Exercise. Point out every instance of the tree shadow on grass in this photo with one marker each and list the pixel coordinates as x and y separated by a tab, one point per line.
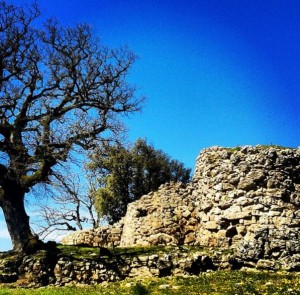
139	289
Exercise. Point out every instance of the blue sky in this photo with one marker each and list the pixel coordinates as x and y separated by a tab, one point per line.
215	72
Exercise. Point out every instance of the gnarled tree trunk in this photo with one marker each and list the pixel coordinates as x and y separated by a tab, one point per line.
12	203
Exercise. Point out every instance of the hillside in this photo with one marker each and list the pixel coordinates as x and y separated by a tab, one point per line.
240	211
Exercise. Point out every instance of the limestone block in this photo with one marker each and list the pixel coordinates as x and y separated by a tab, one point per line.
140	272
273	183
279	221
190	238
228	187
247	184
193	222
244	201
225	204
256	207
162	239
232	209
215	211
203	217
185	212
265	219
233	179
219	187
272	213
235	213
244	167
265	264
256	175
211	225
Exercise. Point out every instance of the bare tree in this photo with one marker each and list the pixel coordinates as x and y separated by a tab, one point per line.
72	207
60	90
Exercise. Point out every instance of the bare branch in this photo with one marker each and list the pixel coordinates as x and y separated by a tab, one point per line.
73	207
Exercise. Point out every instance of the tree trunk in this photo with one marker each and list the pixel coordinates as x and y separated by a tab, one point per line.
17	220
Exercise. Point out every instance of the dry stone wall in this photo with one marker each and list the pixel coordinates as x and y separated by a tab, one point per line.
246	199
59	269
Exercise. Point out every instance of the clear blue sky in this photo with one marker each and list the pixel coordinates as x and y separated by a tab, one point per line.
216	72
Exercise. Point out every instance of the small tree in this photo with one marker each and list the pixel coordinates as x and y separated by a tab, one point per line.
124	175
59	89
71	208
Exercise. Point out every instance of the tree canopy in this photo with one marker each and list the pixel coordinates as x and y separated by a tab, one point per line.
126	174
60	89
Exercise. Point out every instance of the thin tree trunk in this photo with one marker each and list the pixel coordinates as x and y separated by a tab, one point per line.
17	220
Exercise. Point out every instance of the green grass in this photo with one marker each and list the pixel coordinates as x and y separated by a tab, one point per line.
219	282
81	252
233	149
279	147
78	251
261	146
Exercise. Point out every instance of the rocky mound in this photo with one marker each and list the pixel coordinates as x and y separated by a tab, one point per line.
245	199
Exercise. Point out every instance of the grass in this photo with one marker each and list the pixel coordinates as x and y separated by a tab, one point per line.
81	252
78	251
279	147
261	146
219	282
128	253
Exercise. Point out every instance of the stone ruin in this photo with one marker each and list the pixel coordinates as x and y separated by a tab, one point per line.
244	199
